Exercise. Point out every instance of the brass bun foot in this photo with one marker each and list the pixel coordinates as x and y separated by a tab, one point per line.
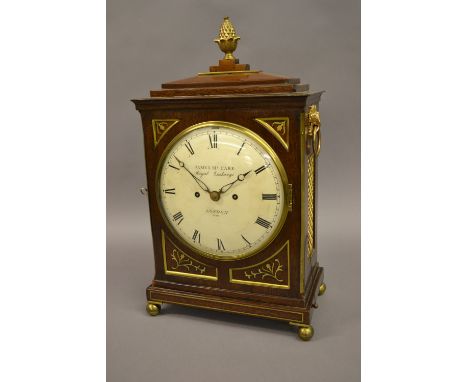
152	308
322	289
305	333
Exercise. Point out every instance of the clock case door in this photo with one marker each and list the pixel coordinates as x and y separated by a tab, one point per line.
281	281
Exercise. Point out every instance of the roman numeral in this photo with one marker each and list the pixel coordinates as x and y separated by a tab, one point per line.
178	216
248	242
269	196
220	245
260	169
170	191
189	148
241	148
174	167
196	235
264	223
214	141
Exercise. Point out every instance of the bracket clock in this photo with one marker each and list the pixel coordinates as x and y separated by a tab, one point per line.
231	164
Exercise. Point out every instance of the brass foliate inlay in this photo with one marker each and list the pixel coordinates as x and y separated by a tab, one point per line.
182	262
178	263
272	272
227	39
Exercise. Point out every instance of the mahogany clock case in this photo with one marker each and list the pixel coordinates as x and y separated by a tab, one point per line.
300	290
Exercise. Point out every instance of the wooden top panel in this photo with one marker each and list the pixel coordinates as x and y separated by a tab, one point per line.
234	83
232	79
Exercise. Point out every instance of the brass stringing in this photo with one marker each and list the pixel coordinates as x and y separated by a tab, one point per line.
268	270
182	261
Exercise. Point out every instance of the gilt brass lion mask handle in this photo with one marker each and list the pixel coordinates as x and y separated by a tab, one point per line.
313	130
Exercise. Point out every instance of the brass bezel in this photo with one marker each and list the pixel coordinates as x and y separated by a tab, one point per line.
264	145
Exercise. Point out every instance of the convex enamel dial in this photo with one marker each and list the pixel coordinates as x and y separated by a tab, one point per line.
222	190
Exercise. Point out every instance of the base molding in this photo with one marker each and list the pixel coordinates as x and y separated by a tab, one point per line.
292	314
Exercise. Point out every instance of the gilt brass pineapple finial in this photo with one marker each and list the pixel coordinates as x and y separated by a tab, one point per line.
227	39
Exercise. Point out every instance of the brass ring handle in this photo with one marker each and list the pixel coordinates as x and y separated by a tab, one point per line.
317	137
313	130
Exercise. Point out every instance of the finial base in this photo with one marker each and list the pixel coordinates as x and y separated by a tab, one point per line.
227	65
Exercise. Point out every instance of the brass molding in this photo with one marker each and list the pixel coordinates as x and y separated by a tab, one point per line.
279	127
161	127
290	197
184	265
270	269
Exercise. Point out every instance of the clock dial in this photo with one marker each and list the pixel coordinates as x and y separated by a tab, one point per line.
221	191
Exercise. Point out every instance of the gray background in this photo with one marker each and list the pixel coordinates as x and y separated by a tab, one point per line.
150	42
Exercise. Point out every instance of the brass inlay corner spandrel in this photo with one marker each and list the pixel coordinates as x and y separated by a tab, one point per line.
161	127
279	127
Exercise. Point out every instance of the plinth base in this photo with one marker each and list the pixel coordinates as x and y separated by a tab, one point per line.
299	316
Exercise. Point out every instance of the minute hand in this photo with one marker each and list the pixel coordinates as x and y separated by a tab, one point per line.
240	178
200	182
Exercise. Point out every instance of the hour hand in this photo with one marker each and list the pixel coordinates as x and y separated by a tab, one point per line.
181	164
200	182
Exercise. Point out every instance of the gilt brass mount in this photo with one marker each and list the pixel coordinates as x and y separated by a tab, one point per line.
313	130
227	39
